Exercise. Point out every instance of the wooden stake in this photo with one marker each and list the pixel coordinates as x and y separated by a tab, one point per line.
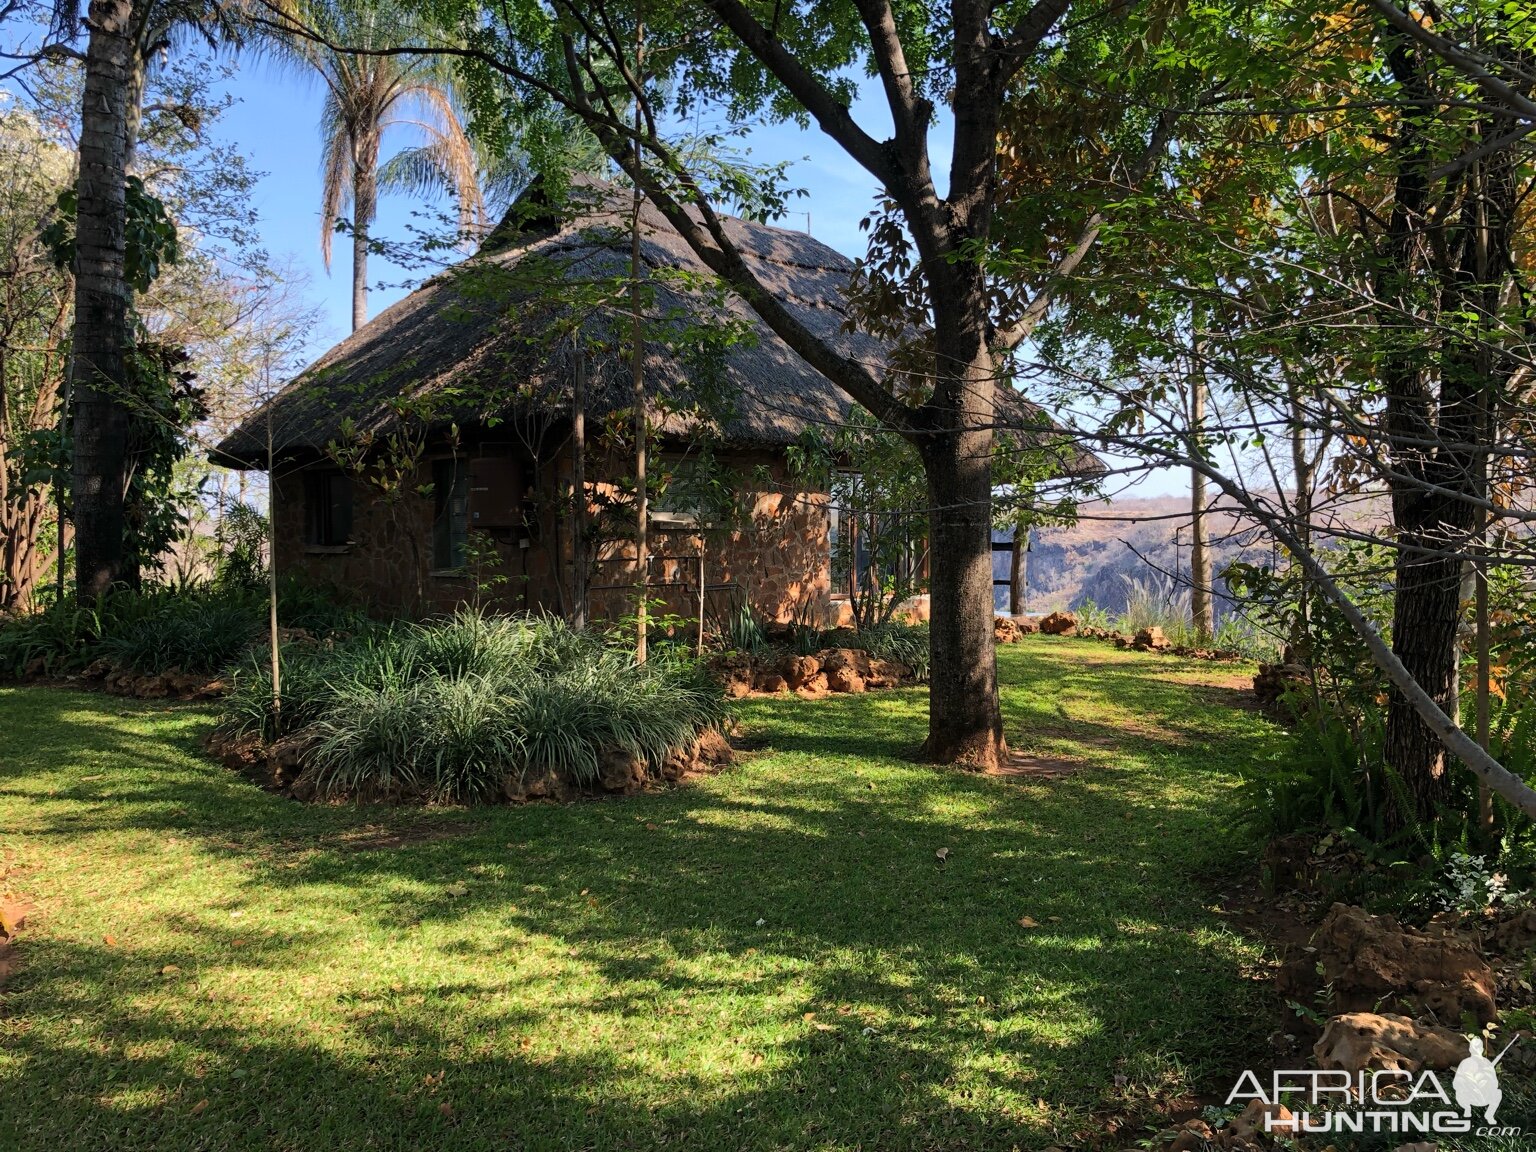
277	671
579	484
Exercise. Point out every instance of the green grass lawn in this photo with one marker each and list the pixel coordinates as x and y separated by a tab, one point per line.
770	958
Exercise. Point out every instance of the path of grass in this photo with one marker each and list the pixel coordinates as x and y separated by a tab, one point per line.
772	958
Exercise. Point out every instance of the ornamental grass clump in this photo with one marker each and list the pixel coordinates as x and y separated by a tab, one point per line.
449	710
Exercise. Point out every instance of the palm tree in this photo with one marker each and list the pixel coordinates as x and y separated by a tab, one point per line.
365	97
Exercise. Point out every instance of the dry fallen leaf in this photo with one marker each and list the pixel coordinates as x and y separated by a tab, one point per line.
199	1106
1028	922
810	1016
445	1108
13	917
942	855
109	941
169	970
458	889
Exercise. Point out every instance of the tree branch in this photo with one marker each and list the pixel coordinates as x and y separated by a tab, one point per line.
1034	312
833	116
1454	54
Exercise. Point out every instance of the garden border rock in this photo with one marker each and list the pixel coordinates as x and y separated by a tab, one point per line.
281	767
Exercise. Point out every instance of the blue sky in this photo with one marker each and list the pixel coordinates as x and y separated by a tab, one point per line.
276	122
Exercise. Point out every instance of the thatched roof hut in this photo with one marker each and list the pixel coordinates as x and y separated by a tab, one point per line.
491	338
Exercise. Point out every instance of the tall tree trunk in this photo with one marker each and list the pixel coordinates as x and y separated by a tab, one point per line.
1425	621
1016	570
365	205
1435	405
965	724
102	296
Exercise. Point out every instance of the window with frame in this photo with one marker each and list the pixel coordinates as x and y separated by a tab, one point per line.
327	509
450	522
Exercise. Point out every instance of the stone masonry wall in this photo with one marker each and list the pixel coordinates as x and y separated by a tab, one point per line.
777	559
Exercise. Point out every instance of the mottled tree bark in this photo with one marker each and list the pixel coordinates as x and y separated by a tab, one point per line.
102	296
365	205
1435	400
965	723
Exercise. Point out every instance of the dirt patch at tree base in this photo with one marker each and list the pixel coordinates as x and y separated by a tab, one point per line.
1034	767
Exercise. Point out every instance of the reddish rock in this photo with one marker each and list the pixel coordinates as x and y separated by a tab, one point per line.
620	771
797	670
1059	624
1516	935
1365	1041
855	660
845	679
211	689
1005	630
814	688
712	747
1367	960
1151	640
540	785
887	674
1258	1124
772	683
1194	1136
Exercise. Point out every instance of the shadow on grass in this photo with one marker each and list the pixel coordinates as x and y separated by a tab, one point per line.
629	974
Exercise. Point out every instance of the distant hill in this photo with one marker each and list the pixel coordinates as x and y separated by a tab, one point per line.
1140	538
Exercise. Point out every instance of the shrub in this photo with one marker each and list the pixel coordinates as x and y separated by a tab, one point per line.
205	628
744	632
196	633
448	709
892	640
61	636
1236	633
907	643
1156	603
1090	615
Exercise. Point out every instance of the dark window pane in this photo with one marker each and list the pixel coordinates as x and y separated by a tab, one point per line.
450	525
327	508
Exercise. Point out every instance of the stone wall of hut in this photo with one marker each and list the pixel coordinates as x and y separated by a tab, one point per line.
773	555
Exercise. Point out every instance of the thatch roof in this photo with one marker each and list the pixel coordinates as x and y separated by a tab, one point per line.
489	339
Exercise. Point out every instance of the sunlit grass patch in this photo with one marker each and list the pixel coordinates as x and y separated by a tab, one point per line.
771	958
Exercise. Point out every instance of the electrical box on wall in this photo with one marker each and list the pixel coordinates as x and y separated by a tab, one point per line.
495	493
